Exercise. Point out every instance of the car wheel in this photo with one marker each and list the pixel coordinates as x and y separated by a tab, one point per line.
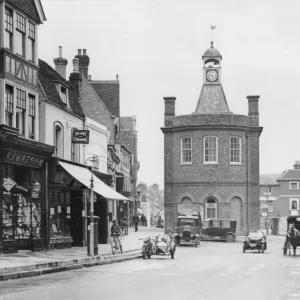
244	248
230	238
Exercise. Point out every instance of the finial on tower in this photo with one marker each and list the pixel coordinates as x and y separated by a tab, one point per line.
212	27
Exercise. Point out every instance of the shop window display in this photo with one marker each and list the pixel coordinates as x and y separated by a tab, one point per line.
60	213
21	207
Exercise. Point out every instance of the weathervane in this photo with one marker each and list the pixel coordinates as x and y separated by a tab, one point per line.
212	27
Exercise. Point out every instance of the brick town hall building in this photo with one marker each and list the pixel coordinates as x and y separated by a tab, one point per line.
211	157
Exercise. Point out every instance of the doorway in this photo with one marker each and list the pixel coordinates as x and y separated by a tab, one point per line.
101	211
76	218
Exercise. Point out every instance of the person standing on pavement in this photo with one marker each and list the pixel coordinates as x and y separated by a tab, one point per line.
135	221
151	221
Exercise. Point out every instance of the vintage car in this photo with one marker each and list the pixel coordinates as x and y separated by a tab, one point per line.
188	230
255	241
219	230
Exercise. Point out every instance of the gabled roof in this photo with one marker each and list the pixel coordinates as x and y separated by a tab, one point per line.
109	93
269	179
47	78
212	100
293	174
32	8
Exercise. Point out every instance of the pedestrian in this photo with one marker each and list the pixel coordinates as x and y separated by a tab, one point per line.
143	220
151	221
135	220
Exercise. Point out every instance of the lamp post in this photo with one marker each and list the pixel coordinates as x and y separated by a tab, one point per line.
93	159
267	194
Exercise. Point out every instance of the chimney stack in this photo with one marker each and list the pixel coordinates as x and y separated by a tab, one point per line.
253	106
90	77
75	65
84	62
297	165
61	64
170	106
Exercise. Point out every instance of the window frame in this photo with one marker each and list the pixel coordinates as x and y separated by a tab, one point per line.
215	204
291	200
290	185
239	150
20	109
217	150
58	151
185	150
21	28
31	115
9	111
9	26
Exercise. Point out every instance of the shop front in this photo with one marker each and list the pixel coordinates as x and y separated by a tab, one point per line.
23	192
69	198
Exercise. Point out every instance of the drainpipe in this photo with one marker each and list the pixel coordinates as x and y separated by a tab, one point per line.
247	182
47	235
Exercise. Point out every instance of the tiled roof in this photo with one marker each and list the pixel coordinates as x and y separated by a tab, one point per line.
126	123
109	93
212	100
47	76
26	6
290	175
269	179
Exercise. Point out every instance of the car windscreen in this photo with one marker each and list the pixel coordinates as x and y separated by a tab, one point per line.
183	222
255	235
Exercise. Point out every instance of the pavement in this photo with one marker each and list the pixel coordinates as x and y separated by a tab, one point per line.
212	271
27	263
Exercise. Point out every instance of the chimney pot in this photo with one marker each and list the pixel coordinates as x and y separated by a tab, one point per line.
75	65
84	51
60	51
79	51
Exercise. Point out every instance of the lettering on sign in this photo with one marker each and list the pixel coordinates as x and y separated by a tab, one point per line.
80	136
24	159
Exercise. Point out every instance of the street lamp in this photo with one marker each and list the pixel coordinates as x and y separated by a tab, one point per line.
267	194
92	159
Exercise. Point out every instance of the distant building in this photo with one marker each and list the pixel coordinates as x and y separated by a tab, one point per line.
289	199
211	157
269	194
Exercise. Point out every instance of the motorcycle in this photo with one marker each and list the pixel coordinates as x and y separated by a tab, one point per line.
147	248
159	246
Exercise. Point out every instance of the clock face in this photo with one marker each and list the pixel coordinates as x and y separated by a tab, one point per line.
212	75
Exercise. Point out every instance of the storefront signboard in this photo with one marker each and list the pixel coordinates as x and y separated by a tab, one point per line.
8	184
24	159
80	136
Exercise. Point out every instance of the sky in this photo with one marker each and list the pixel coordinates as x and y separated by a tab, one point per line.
156	48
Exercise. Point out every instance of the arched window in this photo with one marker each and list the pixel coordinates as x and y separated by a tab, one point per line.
186	200
210	149
58	140
235	150
211	209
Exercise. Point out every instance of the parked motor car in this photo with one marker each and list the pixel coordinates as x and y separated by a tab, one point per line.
219	230
255	241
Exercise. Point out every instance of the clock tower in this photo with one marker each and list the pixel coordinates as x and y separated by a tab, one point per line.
212	98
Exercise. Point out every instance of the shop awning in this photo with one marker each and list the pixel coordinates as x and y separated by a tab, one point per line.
83	175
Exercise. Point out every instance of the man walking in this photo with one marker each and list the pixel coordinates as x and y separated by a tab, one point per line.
135	220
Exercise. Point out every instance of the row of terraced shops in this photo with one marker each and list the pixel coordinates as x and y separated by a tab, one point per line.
44	205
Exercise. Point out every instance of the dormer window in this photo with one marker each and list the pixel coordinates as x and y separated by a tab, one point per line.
63	94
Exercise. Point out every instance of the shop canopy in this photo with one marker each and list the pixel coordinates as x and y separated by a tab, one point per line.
83	175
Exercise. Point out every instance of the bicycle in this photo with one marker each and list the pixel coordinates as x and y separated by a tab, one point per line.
116	245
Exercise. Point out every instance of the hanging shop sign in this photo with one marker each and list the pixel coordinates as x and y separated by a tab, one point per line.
8	184
24	159
80	136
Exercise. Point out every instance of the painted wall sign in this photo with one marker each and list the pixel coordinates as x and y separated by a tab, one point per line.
24	159
80	136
